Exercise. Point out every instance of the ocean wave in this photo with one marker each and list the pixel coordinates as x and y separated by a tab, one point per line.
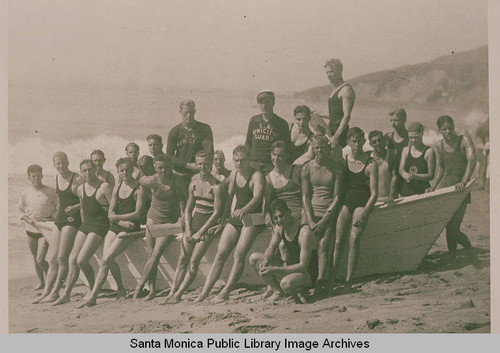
26	151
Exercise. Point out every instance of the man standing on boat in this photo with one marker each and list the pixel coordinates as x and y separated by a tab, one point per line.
387	166
456	161
184	140
397	140
263	130
340	104
322	182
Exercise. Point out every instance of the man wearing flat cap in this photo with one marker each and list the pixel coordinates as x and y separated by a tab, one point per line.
263	130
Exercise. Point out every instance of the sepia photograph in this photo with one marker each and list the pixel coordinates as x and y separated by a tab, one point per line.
248	167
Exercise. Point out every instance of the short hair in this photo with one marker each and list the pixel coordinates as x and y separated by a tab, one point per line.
155	137
124	160
60	155
444	119
302	109
319	139
187	103
132	144
353	131
162	158
85	161
375	133
94	152
241	149
202	154
34	168
221	155
334	64
147	159
279	144
400	113
279	205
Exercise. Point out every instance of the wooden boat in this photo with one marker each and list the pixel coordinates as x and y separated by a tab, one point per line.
397	238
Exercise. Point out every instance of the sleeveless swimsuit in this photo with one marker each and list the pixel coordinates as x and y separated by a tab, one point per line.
358	188
95	217
417	166
398	147
322	197
290	193
297	151
292	255
243	196
164	203
204	207
336	113
455	165
67	198
124	206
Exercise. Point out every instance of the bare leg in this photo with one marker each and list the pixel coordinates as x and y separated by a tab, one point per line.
256	260
68	234
227	242
244	244
324	255
354	245
89	248
453	233
151	267
182	264
343	226
53	265
199	250
33	246
74	270
295	283
116	247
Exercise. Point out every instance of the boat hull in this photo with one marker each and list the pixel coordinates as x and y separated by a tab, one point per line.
398	236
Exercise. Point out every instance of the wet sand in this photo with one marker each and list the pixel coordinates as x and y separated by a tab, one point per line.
435	298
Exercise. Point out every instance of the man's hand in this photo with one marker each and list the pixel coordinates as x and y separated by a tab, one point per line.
320	227
126	224
407	176
192	167
361	221
460	187
237	214
268	270
268	220
334	141
431	189
215	229
70	209
28	220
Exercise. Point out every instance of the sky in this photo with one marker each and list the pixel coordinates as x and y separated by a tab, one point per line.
237	45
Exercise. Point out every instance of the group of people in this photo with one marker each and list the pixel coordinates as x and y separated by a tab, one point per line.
295	180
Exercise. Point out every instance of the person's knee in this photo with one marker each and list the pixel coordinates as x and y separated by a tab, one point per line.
254	258
82	261
287	285
40	260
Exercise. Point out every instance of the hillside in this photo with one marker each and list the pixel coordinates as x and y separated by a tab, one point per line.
458	80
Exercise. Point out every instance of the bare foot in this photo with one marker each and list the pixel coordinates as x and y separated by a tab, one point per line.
267	293
40	285
151	295
137	292
275	296
89	302
121	293
200	298
303	298
50	298
220	298
175	299
62	300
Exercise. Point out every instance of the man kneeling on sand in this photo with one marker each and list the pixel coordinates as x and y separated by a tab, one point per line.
296	271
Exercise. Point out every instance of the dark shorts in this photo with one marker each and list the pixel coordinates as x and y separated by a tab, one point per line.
74	222
198	220
100	229
239	226
354	200
34	235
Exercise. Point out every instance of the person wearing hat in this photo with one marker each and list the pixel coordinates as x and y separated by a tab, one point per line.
263	130
398	139
417	164
340	104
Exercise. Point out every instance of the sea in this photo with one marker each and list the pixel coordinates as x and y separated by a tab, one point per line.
78	120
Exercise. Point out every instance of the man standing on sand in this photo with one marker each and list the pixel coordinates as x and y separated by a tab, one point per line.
95	197
322	182
37	204
397	140
340	104
263	130
387	166
184	140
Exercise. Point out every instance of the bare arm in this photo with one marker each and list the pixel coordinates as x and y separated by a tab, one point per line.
307	245
229	199
258	182
439	168
371	172
273	245
394	176
307	193
402	164
212	220
112	205
188	213
136	215
470	154
348	97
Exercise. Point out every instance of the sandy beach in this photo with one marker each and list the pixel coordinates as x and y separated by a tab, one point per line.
435	298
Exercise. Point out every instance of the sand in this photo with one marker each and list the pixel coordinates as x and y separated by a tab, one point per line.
435	298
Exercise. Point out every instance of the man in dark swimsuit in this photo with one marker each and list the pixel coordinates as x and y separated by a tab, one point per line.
295	271
124	215
97	157
263	130
300	132
95	196
397	140
132	151
456	160
184	140
322	182
360	196
340	104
